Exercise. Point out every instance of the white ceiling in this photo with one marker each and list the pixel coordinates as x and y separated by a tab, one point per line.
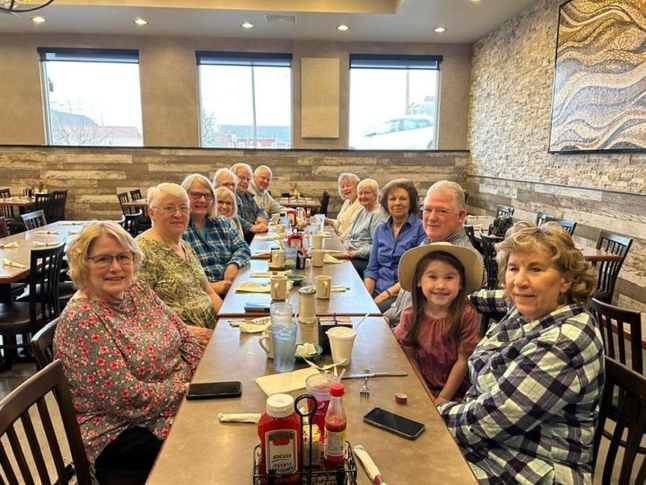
409	21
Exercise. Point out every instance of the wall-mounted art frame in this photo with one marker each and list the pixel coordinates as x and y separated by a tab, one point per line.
599	92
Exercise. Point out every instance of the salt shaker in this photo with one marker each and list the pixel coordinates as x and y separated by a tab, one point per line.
307	304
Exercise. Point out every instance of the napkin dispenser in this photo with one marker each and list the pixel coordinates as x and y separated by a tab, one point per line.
325	324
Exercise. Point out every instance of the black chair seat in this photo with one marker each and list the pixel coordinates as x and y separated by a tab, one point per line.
14	318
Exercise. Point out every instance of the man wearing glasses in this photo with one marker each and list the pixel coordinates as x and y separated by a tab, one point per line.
259	187
252	217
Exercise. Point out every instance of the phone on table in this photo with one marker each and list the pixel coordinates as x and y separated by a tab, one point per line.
214	390
255	307
395	423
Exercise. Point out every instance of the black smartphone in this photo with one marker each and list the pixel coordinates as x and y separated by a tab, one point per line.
395	423
255	307
214	390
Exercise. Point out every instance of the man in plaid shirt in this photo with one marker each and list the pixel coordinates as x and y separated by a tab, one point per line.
253	218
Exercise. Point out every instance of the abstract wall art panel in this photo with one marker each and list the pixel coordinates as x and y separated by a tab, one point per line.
599	99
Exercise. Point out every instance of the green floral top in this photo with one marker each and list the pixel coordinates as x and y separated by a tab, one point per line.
180	283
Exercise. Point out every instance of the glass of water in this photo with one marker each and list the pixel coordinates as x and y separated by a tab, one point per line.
283	335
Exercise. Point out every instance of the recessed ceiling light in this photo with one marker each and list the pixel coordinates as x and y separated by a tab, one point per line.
342	27
439	30
38	20
246	25
475	1
141	22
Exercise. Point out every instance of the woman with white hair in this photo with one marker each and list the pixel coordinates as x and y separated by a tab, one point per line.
348	191
228	207
214	238
358	241
171	267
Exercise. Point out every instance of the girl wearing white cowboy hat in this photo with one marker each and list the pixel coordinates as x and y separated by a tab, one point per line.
440	329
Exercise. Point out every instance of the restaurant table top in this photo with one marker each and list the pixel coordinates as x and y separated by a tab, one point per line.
17	201
135	204
260	247
200	449
304	202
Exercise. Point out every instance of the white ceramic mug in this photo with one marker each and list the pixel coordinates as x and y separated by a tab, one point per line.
266	343
277	258
323	287
317	241
275	218
318	258
278	285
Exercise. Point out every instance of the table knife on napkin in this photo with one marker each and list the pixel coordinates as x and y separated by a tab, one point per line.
377	374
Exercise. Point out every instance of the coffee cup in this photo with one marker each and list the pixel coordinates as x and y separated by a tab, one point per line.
277	258
317	241
275	218
266	343
323	287
318	258
278	288
283	334
341	343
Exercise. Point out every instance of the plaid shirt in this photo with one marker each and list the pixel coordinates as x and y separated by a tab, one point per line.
248	210
530	414
221	246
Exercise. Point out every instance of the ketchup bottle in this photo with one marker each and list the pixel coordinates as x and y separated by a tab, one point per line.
335	428
279	430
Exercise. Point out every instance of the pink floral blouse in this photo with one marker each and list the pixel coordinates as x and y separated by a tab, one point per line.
128	364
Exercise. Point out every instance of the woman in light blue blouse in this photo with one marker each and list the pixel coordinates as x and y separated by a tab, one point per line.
537	375
392	238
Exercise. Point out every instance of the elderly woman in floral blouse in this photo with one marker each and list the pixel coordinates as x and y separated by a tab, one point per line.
127	356
171	267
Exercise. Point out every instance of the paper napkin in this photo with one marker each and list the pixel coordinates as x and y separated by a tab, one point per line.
45	232
40	244
10	245
338	288
253	287
13	264
71	223
246	327
239	417
369	465
269	274
261	254
267	237
285	382
264	321
327	259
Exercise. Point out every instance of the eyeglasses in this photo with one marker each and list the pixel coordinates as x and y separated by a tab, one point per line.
229	185
105	260
170	210
199	195
224	202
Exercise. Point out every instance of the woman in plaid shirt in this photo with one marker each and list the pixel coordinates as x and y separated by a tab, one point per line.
537	376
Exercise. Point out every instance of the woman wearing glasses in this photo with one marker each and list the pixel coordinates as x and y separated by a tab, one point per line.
127	356
228	207
171	267
214	238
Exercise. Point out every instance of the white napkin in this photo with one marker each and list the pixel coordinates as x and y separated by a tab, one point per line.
252	321
269	274
71	223
369	465
44	244
253	287
8	262
268	237
327	259
239	417
338	288
285	382
45	232
246	327
10	245
261	254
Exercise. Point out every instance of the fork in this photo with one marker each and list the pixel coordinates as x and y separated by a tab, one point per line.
364	392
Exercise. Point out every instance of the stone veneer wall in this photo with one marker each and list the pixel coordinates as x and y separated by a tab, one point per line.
95	175
510	108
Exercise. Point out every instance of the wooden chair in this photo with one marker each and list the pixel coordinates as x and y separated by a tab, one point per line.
18	426
569	226
44	202
608	271
26	318
631	419
131	222
14	224
135	194
124	197
33	220
504	210
41	344
542	217
4	230
325	202
489	256
58	202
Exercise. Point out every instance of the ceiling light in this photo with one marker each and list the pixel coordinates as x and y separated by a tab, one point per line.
439	30
22	5
141	22
246	25
38	20
342	27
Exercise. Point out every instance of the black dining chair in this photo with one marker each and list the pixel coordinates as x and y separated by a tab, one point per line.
27	429
42	344
4	230
504	210
491	267
135	194
325	202
542	217
34	220
131	222
59	200
608	271
124	197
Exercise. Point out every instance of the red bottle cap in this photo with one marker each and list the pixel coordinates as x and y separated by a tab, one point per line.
336	389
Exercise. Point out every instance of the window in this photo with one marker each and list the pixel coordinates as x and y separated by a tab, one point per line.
245	98
92	96
393	102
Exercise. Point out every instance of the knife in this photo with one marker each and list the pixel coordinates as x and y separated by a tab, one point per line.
376	374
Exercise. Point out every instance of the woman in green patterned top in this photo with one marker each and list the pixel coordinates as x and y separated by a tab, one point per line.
171	267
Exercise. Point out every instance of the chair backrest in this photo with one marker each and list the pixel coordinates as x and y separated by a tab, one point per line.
631	389
19	426
616	326
5	192
44	202
468	228
41	344
504	210
325	201
131	222
59	199
569	226
35	219
608	271
542	217
6	210
124	197
4	230
135	194
45	274
489	256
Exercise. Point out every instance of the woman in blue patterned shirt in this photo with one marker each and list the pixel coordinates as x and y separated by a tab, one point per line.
530	414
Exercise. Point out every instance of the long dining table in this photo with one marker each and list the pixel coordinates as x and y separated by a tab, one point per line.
200	449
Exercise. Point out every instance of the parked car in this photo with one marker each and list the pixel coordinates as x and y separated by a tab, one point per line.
412	132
